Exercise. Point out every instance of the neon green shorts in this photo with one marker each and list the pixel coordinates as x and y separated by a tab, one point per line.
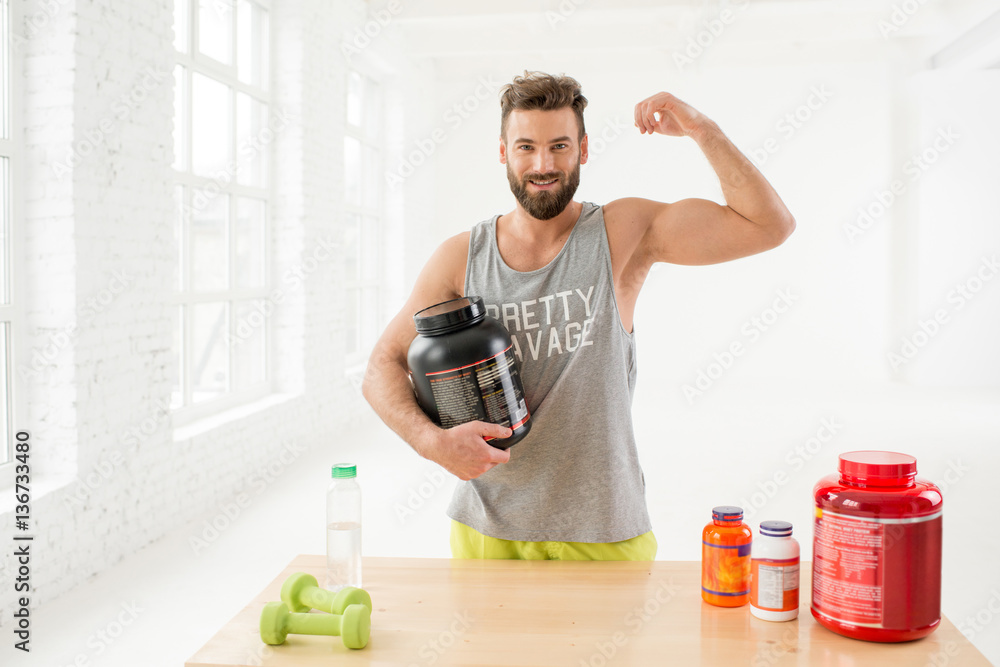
469	543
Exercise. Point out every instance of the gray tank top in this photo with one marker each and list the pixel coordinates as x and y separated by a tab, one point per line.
576	476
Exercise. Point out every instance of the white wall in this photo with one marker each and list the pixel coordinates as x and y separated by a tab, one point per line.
837	160
957	229
110	472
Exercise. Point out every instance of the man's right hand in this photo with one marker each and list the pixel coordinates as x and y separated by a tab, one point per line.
462	451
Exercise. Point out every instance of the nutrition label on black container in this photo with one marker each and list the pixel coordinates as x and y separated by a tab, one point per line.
483	391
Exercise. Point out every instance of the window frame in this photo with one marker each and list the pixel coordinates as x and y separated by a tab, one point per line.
12	314
192	61
370	318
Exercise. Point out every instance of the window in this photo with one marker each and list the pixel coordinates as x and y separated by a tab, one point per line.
223	131
10	168
363	273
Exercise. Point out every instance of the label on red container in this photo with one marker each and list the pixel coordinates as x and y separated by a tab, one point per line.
484	391
848	556
877	572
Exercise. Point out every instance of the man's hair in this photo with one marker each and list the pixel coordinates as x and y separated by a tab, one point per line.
538	90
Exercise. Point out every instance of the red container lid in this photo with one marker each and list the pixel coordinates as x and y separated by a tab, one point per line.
874	468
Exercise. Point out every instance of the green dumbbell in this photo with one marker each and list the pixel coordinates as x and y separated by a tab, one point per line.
353	627
301	593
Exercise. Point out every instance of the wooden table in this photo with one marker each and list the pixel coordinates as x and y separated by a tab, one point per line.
431	611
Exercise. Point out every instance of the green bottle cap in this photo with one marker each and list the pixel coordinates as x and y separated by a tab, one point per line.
344	471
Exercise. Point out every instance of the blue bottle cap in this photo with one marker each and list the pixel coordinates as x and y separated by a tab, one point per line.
775	528
727	513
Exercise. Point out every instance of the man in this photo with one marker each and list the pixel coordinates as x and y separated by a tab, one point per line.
563	277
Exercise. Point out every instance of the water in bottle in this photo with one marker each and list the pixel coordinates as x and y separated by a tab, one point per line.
343	529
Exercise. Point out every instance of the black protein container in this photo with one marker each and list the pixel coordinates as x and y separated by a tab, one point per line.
463	369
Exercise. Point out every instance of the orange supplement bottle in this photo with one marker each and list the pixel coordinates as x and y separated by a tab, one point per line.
725	558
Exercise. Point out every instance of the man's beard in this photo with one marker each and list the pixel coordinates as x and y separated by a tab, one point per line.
544	204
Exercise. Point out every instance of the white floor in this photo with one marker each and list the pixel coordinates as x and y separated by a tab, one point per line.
160	605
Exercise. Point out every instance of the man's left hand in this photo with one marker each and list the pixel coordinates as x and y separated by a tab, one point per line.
676	117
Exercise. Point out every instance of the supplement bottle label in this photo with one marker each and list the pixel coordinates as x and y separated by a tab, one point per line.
725	569
860	562
847	568
483	391
775	584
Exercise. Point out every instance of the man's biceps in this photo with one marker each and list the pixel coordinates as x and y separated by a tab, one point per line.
698	210
707	234
403	329
398	333
672	224
709	220
432	286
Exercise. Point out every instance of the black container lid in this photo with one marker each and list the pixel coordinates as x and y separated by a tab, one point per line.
447	315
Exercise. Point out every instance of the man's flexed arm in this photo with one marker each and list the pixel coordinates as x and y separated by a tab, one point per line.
461	450
698	231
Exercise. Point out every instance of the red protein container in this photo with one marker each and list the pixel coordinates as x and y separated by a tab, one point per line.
877	549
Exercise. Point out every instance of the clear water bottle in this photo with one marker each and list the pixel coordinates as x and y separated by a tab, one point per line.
343	528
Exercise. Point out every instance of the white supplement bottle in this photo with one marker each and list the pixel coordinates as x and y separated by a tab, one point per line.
774	573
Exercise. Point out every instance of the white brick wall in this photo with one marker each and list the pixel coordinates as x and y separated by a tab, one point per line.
99	261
